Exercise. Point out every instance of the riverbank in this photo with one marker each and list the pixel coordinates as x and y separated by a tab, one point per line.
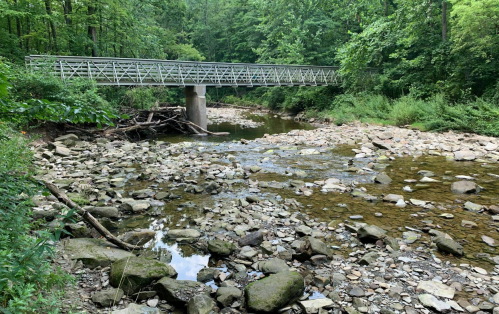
366	215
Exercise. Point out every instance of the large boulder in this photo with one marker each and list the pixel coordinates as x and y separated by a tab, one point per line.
137	309
382	178
108	297
371	233
464	187
464	155
200	304
135	273
179	291
252	239
222	248
436	288
94	252
274	292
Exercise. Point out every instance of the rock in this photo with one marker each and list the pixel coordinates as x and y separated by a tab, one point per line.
472	206
393	198
108	297
357	292
337	279
227	295
309	306
135	273
137	309
401	204
62	151
135	206
493	209
489	241
252	199
297	183
200	304
179	291
469	224
303	230
491	146
464	187
431	302
371	233
108	211
273	266
65	137
222	248
252	239
381	144
139	236
382	178
369	258
78	230
94	252
464	155
152	302
437	289
449	246
207	274
446	216
319	247
255	169
247	252
274	292
183	233
393	243
410	237
426	173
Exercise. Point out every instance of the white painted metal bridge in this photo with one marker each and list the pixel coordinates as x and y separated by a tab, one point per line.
139	72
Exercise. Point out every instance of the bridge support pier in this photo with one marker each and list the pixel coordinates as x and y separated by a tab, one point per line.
195	103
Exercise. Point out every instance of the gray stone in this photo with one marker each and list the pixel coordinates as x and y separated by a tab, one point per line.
137	309
138	237
489	241
183	233
437	289
94	252
464	155
382	178
179	291
310	306
252	239
135	273
393	198
227	295
135	206
207	274
393	243
433	303
78	230
357	292
371	233
200	304
297	183
69	136
274	292
369	258
62	151
108	211
247	252
319	247
464	187
472	206
273	266
108	297
449	246
469	224
222	248
303	230
252	199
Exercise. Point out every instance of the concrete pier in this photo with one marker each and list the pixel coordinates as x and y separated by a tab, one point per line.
195	103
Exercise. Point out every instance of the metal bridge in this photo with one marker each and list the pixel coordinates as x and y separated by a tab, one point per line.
140	72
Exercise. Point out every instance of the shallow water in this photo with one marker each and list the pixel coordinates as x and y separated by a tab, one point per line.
280	162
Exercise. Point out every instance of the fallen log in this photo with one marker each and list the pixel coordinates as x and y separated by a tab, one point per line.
189	123
63	198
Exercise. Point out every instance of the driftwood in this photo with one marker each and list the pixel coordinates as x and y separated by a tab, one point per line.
157	120
63	198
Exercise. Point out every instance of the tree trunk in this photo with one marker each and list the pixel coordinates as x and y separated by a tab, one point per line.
68	10
444	21
89	218
48	8
18	28
28	31
9	23
92	32
386	7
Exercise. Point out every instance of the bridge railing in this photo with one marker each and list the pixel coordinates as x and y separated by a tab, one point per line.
124	71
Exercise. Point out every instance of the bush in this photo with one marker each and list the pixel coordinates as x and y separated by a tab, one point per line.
146	97
27	280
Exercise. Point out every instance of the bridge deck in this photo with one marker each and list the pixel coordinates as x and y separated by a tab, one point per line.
122	71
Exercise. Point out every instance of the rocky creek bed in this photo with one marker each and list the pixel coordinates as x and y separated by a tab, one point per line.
350	219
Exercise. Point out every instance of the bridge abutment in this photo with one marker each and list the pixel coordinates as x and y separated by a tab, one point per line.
195	103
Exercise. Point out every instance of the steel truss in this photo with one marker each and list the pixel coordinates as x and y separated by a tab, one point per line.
127	72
